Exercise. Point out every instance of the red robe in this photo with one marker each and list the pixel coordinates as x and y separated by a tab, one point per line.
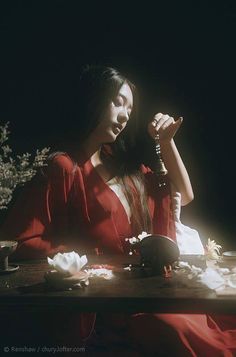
72	207
77	197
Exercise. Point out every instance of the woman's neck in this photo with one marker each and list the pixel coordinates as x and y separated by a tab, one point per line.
96	159
92	148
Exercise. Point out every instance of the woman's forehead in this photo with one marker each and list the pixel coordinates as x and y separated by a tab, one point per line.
126	92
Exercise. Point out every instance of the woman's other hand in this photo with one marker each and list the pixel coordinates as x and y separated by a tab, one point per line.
165	126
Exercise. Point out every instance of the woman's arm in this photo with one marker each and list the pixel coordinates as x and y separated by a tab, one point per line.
166	127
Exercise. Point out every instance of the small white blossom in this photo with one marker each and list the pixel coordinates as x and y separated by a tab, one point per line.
135	240
100	273
132	240
143	235
16	171
212	249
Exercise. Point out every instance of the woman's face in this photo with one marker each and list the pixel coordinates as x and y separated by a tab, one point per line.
116	116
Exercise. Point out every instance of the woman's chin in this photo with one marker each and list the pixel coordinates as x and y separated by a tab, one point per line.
110	141
111	137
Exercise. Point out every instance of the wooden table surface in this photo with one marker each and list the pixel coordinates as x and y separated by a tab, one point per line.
26	289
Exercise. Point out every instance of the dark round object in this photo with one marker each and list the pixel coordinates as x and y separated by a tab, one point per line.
158	251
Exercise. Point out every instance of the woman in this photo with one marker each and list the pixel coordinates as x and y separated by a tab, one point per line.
98	192
76	189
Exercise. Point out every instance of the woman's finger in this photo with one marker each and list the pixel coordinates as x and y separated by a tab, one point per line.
164	125
158	116
174	127
161	120
167	123
179	122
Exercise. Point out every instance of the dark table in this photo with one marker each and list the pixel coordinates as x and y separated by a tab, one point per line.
26	289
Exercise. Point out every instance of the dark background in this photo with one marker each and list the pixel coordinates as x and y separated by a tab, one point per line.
181	56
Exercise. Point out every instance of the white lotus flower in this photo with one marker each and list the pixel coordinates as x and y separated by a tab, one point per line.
70	263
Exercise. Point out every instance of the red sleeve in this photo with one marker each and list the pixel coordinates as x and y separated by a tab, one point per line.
39	217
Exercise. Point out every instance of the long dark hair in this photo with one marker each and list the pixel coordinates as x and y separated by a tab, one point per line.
97	87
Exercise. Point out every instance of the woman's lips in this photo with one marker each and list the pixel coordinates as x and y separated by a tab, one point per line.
117	128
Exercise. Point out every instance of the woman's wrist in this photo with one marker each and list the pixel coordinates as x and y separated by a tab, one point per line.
167	143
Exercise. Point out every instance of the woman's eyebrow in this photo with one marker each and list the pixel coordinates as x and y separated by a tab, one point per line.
125	99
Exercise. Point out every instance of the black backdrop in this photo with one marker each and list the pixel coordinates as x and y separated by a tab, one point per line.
181	56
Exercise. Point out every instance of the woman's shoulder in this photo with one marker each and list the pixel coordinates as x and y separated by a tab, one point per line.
61	162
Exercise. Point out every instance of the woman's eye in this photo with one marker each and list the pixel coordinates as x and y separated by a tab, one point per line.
118	102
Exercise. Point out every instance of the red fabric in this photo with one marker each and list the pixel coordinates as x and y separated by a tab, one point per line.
183	335
77	197
71	207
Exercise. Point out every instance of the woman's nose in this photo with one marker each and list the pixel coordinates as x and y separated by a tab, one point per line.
123	116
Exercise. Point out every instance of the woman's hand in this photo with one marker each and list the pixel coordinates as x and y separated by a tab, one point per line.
165	126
